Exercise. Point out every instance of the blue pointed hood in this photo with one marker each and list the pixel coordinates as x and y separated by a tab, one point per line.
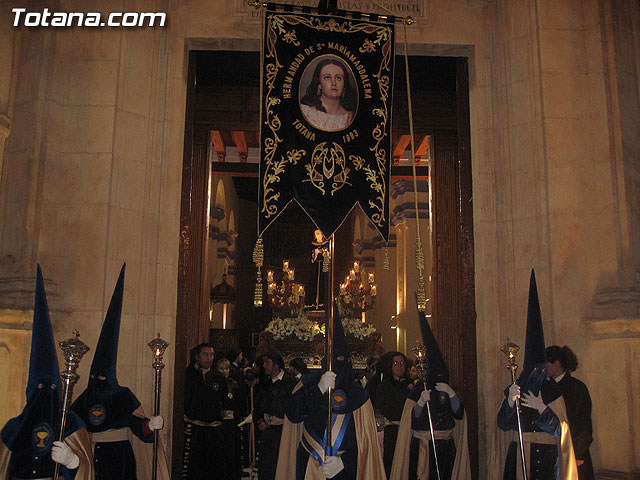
342	365
534	368
104	403
437	370
106	356
40	416
43	363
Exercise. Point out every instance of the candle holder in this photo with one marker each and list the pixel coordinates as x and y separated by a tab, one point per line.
357	293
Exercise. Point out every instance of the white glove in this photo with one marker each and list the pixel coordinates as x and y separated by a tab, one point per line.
446	388
531	401
327	381
331	467
424	397
156	423
514	393
62	453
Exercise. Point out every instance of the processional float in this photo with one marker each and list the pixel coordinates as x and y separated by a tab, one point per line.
324	150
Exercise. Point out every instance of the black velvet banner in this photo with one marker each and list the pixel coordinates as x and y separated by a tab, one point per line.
327	85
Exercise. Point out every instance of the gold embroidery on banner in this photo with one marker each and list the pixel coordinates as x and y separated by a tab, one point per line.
327	163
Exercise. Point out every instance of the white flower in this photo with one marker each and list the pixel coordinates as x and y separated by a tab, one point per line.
301	327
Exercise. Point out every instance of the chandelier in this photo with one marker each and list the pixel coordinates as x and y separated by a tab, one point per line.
287	297
357	293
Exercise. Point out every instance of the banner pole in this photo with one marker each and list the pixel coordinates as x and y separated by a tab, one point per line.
329	335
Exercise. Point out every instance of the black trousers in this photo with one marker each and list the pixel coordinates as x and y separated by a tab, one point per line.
268	453
203	453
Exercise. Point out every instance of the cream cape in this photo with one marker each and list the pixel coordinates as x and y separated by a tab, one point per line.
502	440
79	443
144	454
370	466
400	468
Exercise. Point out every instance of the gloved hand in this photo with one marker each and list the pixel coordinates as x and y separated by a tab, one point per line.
62	454
331	466
514	392
446	388
531	401
424	397
327	380
156	423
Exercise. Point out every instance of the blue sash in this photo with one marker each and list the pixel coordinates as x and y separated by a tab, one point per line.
316	447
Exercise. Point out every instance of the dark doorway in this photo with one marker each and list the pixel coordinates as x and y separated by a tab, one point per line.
223	96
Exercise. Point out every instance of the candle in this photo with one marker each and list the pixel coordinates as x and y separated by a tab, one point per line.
270	288
356	266
370	280
270	276
352	275
373	291
343	289
291	274
285	265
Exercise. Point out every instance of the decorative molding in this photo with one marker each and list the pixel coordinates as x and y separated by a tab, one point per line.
217	213
615	313
406	211
613	475
400	187
17	293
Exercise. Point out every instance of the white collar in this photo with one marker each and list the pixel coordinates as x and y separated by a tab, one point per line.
278	377
560	377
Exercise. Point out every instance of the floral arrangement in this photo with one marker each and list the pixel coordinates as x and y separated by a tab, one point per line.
357	328
300	327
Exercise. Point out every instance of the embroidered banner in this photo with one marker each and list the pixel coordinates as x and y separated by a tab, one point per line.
327	86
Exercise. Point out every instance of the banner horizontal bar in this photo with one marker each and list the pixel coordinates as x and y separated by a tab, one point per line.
374	17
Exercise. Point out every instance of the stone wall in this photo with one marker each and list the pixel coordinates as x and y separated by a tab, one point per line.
91	179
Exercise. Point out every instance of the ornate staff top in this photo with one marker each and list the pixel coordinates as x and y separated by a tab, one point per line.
158	346
73	349
510	350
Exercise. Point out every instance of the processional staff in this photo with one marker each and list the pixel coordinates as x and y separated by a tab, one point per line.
157	346
73	349
328	451
510	350
420	351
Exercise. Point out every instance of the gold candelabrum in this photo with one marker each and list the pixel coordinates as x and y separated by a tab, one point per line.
73	349
287	297
357	293
157	346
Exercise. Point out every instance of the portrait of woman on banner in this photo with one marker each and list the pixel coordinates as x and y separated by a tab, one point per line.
330	99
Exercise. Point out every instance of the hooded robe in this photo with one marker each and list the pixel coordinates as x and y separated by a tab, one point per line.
546	436
25	449
353	431
413	453
119	430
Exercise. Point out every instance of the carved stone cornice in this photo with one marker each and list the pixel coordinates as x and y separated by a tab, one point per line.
615	313
17	293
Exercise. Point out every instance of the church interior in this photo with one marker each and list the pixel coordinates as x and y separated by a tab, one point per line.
142	146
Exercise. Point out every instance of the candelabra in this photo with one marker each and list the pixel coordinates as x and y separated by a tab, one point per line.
357	292
287	298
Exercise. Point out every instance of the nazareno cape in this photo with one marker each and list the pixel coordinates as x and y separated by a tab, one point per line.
533	378
437	371
25	448
112	412
356	404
